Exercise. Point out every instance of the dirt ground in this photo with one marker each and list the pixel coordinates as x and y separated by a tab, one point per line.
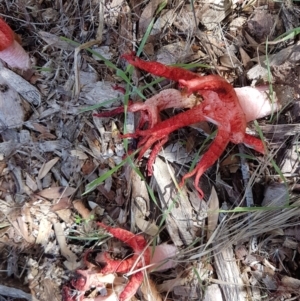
62	168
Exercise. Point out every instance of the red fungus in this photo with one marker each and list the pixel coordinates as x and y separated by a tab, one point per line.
141	256
220	106
84	279
11	51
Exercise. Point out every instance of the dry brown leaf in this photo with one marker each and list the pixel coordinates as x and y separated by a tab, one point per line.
276	194
213	214
291	282
213	292
51	289
56	192
2	164
40	128
63	203
65	215
168	285
163	20
27	217
100	92
146	226
88	167
31	183
140	207
79	153
171	53
246	60
230	160
47	167
21	228
214	12
82	210
46	136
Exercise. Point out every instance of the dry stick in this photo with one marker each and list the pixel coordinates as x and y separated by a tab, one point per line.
14	293
101	21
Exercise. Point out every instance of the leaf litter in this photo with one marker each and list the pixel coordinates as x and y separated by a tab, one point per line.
51	148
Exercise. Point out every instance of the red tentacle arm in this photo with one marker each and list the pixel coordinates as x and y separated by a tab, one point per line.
208	159
116	265
136	242
173	73
132	286
254	143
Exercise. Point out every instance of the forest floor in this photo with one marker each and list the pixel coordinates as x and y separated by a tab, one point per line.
62	168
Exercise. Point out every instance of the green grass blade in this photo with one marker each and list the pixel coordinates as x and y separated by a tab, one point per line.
91	186
149	29
289	34
106	61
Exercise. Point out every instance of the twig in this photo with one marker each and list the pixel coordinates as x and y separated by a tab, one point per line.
14	293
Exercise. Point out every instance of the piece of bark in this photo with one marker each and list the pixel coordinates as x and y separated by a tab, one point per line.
29	92
179	220
228	273
11	111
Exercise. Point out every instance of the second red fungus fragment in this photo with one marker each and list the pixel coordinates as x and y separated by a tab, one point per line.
91	277
140	258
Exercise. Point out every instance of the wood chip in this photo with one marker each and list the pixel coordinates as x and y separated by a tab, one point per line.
11	111
29	92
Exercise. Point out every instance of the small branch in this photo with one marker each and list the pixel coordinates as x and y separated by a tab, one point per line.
14	293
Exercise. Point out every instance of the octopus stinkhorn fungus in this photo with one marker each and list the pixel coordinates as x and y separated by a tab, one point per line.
86	279
141	257
220	106
11	51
